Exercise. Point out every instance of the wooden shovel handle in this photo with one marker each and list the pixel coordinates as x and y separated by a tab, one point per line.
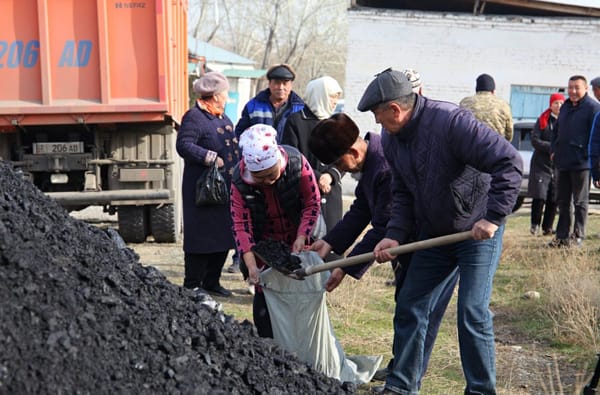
402	249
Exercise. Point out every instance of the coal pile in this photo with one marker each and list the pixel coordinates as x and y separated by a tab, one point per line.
79	314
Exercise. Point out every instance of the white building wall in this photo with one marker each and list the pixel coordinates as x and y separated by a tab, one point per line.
451	50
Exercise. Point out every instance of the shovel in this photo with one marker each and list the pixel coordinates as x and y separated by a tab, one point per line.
301	273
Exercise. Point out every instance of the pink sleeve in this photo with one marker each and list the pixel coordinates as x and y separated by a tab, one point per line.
311	199
242	221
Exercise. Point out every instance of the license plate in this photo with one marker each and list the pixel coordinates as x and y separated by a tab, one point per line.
73	147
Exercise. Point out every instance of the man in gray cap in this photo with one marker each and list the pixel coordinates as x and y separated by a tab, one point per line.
273	105
595	83
451	173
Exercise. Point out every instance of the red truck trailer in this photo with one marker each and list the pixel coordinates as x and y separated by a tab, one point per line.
91	93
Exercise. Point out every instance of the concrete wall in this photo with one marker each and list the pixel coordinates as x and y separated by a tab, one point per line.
451	50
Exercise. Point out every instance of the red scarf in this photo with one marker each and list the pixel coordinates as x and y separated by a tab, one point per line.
544	119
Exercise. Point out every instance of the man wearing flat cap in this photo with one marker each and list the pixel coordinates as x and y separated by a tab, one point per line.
335	141
450	173
595	83
489	108
273	105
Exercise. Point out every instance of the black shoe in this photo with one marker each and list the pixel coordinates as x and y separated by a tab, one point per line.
380	374
548	232
559	243
381	390
534	230
220	291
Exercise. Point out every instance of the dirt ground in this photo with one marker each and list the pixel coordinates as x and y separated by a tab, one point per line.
525	366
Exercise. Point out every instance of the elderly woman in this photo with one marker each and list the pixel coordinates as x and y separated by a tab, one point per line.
321	97
274	195
206	136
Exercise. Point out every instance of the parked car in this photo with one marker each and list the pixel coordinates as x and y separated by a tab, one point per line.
522	142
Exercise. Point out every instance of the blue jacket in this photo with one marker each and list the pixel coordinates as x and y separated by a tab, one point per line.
595	148
371	205
571	141
260	110
449	170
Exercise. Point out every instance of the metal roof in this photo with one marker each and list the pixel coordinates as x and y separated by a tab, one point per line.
215	54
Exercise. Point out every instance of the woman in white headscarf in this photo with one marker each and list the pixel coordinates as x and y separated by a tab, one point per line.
321	97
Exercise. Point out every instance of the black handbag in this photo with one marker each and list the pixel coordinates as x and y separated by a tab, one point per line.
211	188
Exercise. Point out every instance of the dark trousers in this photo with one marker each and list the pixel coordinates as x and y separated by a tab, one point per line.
537	210
572	186
203	270
260	314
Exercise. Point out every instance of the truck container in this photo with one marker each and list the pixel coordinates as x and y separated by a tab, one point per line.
91	95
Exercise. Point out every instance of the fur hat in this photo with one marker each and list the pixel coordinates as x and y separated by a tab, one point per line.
259	147
485	83
387	86
333	137
210	84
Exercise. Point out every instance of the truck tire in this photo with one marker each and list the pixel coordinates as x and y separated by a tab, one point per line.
133	225
162	223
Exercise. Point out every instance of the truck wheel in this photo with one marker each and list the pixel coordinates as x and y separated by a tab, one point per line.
162	223
133	225
518	204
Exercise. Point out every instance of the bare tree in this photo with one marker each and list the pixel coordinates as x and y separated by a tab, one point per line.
310	35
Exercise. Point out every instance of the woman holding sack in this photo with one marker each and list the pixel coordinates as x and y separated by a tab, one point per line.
541	178
206	138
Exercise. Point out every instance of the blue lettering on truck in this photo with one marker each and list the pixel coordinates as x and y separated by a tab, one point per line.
16	54
19	54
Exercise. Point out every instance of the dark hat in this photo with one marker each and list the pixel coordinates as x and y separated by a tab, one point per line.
595	82
387	86
486	83
281	72
210	84
332	137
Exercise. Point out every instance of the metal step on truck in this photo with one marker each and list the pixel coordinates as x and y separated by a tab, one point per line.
92	93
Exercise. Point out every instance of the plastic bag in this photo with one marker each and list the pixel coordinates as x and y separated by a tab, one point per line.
211	188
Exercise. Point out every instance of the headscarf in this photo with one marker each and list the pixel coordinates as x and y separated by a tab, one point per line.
546	114
259	147
317	96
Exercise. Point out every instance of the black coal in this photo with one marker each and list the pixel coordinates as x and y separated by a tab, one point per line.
277	255
80	315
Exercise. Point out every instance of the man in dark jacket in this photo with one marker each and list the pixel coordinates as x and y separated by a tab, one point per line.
335	141
451	173
570	152
273	105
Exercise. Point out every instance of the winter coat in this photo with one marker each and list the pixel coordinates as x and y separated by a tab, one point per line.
541	169
278	225
205	229
260	110
371	205
571	141
450	170
296	134
491	110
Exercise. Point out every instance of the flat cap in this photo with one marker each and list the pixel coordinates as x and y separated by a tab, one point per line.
332	137
595	82
210	84
387	86
281	72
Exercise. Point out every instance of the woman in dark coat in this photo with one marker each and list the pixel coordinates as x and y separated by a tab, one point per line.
206	135
541	176
321	97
